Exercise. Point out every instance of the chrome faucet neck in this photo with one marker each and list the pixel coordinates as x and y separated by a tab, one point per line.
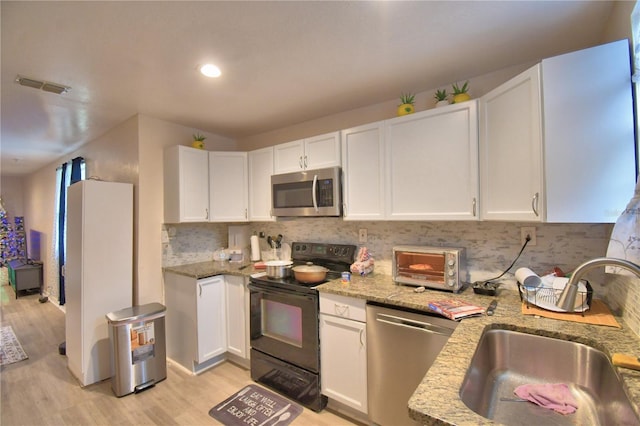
567	299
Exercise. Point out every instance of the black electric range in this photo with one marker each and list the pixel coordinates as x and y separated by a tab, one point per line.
337	258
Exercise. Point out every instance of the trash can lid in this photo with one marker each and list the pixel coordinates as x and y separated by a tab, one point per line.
137	313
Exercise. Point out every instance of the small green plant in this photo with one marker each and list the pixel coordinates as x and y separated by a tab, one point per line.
407	98
457	90
198	137
441	95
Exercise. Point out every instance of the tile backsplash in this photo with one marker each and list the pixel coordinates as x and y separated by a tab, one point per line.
490	246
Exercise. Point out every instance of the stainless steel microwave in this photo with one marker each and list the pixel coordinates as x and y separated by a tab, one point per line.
307	193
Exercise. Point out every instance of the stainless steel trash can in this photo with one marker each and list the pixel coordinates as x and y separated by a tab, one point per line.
138	348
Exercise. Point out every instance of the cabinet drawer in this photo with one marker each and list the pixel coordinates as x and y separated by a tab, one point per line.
342	306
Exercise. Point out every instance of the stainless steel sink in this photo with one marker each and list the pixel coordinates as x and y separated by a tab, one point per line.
505	359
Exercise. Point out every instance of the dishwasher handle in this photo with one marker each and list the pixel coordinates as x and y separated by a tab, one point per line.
418	325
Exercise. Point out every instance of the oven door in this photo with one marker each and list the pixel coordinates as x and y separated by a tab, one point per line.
307	193
285	325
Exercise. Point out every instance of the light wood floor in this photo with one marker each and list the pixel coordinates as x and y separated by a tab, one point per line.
42	391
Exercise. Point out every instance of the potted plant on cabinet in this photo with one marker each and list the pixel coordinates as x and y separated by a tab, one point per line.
460	93
198	141
406	106
441	98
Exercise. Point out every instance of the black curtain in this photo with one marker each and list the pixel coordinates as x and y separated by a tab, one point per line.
76	175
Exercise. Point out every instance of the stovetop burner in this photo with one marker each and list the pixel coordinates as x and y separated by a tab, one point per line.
335	257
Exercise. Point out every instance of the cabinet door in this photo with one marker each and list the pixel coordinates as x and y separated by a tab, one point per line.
344	371
511	150
186	185
288	157
363	172
432	164
228	186
322	151
260	171
211	315
236	316
589	167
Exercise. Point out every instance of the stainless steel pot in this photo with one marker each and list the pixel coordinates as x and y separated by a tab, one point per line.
310	273
278	268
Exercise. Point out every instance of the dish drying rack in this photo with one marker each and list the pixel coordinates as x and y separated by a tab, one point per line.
546	297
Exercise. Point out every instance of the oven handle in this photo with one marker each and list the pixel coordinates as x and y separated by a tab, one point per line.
272	290
313	192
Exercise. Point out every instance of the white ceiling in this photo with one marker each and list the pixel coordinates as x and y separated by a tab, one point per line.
283	62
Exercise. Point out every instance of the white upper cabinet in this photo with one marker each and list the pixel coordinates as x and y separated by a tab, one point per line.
363	172
312	153
260	171
432	164
557	142
228	186
186	184
511	150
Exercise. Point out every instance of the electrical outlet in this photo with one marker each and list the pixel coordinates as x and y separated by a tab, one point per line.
362	235
531	232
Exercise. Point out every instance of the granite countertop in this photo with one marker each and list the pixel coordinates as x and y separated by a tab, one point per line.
436	400
208	269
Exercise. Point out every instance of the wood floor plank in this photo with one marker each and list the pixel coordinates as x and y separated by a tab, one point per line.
42	391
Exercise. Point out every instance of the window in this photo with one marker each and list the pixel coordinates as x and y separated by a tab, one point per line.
68	173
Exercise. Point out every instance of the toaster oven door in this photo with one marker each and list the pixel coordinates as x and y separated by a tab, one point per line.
420	268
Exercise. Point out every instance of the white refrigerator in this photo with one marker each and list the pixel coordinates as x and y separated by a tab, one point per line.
98	272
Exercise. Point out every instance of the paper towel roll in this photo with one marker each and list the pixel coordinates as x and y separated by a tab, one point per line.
528	278
255	248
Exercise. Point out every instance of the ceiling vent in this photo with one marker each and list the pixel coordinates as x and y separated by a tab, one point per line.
47	86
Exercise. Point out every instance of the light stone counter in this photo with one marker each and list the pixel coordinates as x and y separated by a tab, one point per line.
211	268
436	400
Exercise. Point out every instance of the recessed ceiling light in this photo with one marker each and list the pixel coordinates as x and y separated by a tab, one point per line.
210	70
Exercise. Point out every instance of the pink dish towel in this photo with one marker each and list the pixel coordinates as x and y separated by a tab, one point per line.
554	396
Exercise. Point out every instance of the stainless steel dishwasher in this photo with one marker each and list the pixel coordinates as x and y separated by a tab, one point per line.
401	346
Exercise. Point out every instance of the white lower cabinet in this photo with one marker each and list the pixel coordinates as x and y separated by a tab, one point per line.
343	350
211	324
205	319
236	315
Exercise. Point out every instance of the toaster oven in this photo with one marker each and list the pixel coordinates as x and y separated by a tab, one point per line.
440	268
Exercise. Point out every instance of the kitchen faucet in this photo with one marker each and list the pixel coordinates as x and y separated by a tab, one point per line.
567	299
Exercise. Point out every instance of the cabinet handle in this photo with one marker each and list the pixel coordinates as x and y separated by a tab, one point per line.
534	204
246	214
300	161
361	341
474	206
206	214
305	161
200	288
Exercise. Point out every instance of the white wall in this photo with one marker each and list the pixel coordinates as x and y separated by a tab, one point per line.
381	111
111	157
154	136
130	152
